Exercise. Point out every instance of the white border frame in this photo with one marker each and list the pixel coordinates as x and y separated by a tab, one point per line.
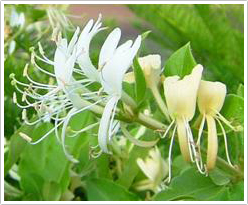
123	2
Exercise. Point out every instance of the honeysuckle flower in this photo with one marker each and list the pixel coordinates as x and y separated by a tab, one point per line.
113	63
60	97
181	96
211	97
155	168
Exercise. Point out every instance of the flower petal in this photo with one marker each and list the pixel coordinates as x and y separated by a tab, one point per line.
109	47
211	96
114	70
104	128
181	94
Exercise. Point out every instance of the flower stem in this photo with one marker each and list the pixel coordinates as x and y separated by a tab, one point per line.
160	102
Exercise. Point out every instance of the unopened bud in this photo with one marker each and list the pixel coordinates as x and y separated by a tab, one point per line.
151	66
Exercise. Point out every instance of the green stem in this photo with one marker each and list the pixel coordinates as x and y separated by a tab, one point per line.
140	118
160	102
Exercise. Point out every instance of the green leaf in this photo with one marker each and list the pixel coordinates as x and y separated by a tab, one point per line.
189	185
140	82
131	168
240	90
51	191
219	177
16	147
31	184
233	109
237	192
180	62
106	190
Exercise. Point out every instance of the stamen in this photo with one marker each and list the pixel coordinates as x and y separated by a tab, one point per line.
71	113
225	140
223	119
167	130
168	179
39	68
84	129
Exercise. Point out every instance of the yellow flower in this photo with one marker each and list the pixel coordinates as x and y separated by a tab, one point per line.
211	97
181	96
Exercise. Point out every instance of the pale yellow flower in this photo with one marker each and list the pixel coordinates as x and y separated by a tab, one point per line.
211	97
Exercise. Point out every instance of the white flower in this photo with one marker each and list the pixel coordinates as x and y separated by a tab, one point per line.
113	63
60	97
181	96
155	168
211	97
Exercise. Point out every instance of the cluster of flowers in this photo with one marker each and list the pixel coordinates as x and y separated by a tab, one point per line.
69	96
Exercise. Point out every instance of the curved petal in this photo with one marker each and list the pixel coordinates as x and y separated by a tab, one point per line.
104	128
109	46
113	72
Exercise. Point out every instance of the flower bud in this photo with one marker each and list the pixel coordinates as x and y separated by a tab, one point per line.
151	66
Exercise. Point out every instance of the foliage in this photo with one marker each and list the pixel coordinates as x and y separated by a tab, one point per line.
41	172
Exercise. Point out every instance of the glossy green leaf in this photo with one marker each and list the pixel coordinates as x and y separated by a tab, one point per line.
106	190
180	63
140	82
189	185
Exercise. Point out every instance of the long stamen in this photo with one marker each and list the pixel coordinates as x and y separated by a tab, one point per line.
71	113
195	156
198	143
167	130
76	132
170	155
225	140
25	74
39	68
223	119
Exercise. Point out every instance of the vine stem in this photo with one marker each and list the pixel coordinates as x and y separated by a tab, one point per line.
141	118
